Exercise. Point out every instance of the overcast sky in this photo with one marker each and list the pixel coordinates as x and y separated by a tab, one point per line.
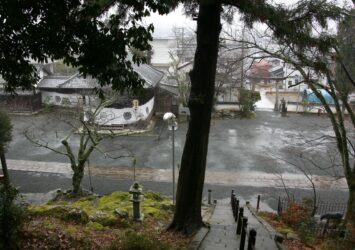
163	25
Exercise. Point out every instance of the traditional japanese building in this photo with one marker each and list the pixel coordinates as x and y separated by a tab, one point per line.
74	90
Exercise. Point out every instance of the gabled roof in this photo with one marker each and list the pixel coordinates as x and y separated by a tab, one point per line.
75	81
150	75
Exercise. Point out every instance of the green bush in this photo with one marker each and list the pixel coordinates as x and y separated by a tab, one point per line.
11	218
247	99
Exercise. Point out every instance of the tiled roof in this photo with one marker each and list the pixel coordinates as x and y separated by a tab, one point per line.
150	75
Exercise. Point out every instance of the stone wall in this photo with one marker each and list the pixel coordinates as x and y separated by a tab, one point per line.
22	103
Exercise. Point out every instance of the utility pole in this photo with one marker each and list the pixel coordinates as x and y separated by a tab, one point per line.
243	52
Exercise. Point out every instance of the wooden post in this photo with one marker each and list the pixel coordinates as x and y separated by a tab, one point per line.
209	196
243	233
258	203
240	220
236	210
252	239
279	207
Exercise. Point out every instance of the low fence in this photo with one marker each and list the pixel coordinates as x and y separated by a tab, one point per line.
247	238
322	207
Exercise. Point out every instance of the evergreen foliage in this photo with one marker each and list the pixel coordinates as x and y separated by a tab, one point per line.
80	33
247	99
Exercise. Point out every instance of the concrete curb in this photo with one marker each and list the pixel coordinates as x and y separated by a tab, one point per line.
202	233
198	238
273	233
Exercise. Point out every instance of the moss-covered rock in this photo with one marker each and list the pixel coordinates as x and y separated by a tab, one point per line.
104	218
57	211
77	215
95	226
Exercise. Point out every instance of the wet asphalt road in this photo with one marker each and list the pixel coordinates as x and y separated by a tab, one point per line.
31	183
260	144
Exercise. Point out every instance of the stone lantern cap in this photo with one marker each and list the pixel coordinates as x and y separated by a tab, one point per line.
136	191
135	188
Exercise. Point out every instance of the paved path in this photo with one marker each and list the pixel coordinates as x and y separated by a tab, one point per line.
264	239
222	234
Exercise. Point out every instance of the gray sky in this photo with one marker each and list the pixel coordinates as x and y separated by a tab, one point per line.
163	25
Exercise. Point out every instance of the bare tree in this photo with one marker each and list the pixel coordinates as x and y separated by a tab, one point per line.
315	62
89	140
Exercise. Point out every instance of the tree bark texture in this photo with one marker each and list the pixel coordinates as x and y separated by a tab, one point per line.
187	217
76	179
4	170
350	215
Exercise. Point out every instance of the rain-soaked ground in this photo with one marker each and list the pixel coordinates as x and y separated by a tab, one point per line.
268	143
261	149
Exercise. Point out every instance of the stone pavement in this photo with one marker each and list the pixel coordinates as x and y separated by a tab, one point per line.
222	234
39	166
264	238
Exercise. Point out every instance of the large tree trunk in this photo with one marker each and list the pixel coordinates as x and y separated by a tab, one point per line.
350	215
187	217
4	170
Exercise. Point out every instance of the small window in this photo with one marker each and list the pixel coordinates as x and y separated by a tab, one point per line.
289	83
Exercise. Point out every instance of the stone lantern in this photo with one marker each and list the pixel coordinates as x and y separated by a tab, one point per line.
137	198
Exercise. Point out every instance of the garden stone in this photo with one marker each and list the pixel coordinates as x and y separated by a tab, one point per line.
121	214
78	214
292	236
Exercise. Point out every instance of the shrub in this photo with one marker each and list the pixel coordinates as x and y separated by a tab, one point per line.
11	218
247	99
295	214
307	230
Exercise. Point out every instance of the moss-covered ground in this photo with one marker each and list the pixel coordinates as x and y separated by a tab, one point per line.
103	222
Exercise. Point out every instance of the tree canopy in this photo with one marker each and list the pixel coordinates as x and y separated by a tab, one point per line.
90	35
